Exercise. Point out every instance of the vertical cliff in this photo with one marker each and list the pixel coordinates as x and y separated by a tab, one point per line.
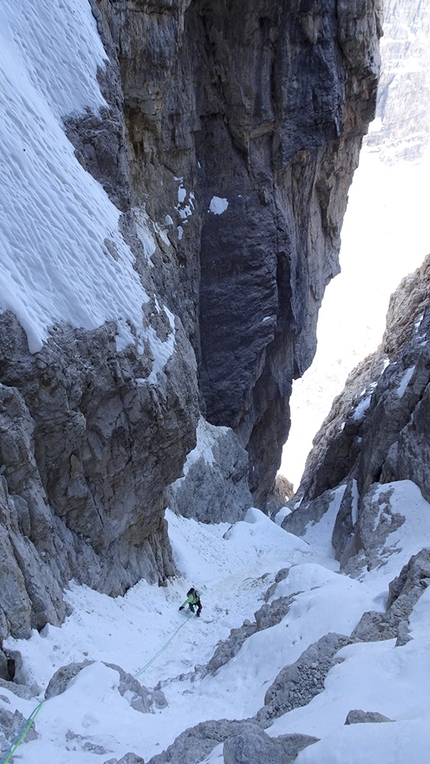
248	118
223	140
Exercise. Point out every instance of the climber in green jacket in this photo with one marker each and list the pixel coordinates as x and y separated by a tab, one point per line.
193	600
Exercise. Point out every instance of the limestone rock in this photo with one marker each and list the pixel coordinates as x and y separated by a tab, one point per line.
403	114
258	748
364	531
363	717
215	483
228	141
129	758
11	725
245	742
404	592
281	492
259	152
21	690
228	648
381	430
311	512
297	684
268	615
86	456
194	744
377	430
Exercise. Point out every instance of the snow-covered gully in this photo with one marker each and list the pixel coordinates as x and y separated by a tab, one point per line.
292	669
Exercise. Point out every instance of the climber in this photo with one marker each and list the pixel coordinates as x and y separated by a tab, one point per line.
193	600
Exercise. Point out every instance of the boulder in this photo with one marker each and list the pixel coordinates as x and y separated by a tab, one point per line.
256	747
366	717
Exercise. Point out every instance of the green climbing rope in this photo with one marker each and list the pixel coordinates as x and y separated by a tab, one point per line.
28	722
21	735
160	651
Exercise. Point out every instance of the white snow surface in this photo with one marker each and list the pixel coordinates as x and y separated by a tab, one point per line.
218	205
405	381
233	566
54	217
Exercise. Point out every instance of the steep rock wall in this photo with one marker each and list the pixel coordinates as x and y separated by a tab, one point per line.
228	139
377	431
248	118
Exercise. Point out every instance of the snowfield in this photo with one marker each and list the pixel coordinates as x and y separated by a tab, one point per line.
233	567
62	257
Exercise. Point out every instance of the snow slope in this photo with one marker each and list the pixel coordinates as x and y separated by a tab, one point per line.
54	217
233	566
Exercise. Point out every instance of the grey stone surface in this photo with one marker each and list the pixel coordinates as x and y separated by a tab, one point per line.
195	743
245	742
21	690
404	593
298	683
258	748
60	680
368	536
86	454
280	576
228	648
282	156
11	725
279	495
129	758
382	433
89	437
356	716
311	512
215	484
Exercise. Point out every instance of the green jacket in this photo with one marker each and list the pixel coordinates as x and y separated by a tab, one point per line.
193	599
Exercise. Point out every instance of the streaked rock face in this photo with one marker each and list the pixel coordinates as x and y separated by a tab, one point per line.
249	119
231	133
378	428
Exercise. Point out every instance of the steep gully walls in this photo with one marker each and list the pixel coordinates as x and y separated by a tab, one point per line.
252	110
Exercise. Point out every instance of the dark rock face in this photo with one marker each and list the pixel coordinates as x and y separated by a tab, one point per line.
232	131
258	112
285	129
